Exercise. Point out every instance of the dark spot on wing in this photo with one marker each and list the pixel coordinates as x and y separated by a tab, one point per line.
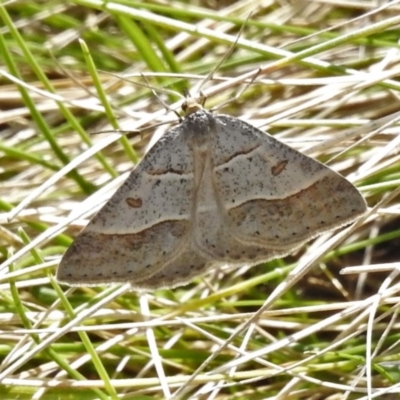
278	168
134	202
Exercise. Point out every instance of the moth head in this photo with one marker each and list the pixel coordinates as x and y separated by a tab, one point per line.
191	105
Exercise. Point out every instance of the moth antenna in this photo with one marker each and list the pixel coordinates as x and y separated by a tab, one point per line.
226	56
146	85
238	93
154	91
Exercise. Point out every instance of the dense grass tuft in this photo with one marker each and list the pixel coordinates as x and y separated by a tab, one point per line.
321	76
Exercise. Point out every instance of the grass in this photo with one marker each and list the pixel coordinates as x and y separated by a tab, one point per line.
319	324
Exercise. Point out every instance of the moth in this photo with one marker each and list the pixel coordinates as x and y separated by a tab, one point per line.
214	190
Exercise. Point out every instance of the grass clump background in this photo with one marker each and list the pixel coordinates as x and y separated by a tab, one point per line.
320	76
